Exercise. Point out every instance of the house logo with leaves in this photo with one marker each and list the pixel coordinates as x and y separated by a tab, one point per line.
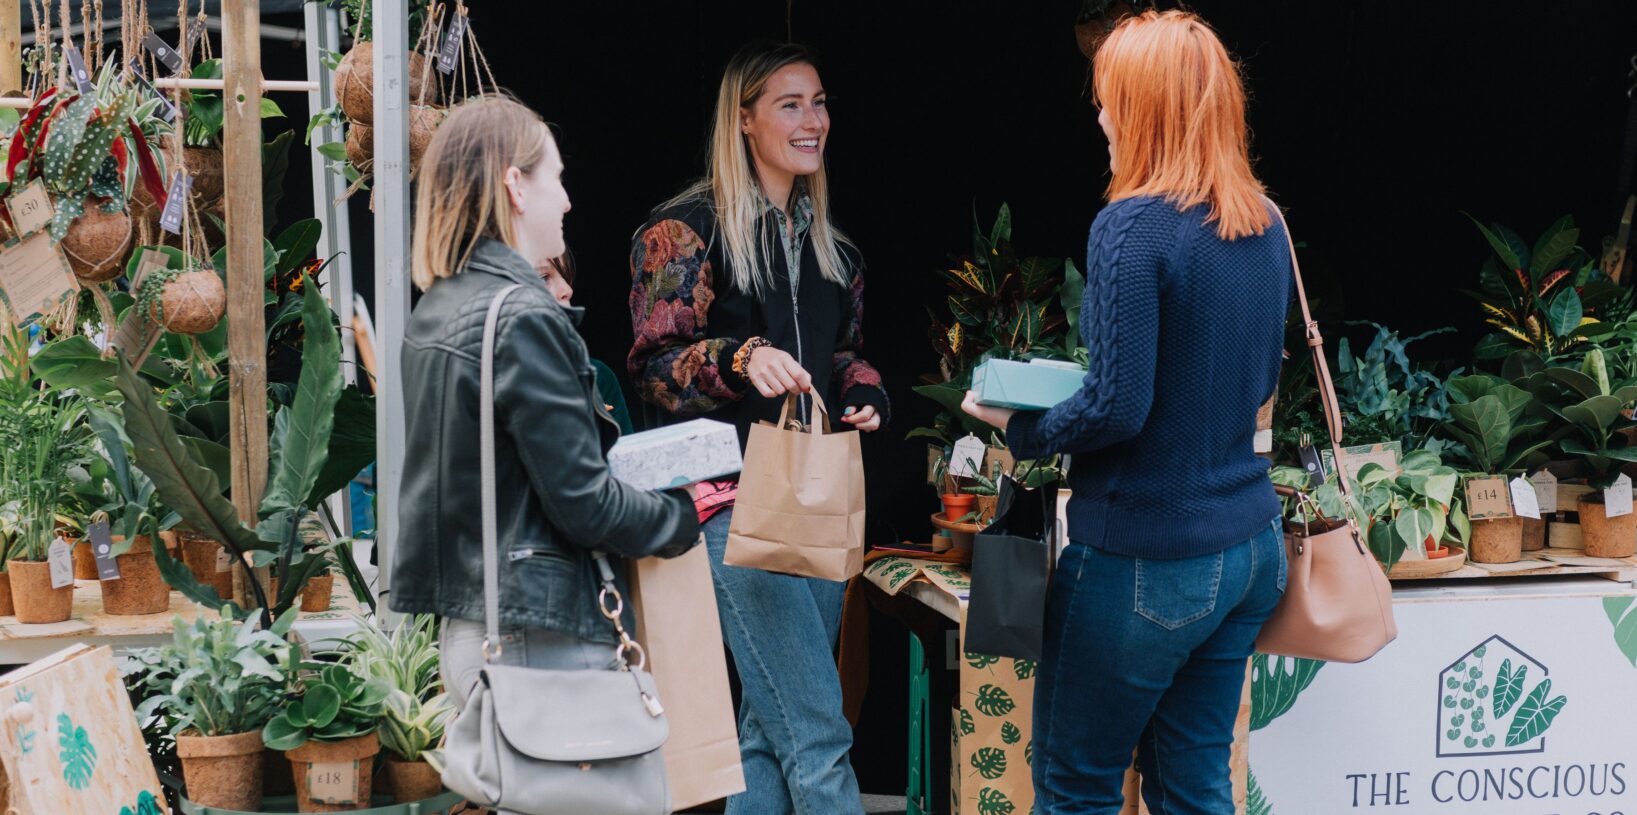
1495	700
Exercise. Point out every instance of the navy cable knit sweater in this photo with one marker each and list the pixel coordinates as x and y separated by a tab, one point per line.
1185	332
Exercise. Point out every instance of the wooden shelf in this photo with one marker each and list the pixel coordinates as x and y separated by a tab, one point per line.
1542	564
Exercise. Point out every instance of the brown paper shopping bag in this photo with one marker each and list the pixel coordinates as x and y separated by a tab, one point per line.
800	507
675	607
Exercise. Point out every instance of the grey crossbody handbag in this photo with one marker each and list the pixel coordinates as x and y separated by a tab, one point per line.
545	742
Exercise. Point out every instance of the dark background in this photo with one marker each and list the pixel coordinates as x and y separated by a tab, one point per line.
1375	124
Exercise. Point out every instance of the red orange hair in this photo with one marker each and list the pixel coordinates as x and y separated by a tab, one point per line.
1177	105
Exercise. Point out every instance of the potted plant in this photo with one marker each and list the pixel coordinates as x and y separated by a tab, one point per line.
957	504
136	519
1414	513
1489	417
417	709
1546	297
186	296
985	489
331	725
42	434
1592	411
202	119
218	683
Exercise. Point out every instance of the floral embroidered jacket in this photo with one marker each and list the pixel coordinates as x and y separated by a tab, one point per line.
688	320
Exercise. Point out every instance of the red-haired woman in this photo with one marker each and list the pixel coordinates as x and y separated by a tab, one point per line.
1175	557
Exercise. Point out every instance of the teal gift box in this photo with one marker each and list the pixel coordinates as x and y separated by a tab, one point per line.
1034	385
676	455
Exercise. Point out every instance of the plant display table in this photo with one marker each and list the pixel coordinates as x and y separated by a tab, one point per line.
448	803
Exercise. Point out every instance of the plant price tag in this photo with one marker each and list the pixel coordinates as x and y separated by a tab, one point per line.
334	783
966	457
449	54
1617	499
102	547
163	52
30	208
1524	499
61	560
170	219
1486	498
76	66
167	113
1545	490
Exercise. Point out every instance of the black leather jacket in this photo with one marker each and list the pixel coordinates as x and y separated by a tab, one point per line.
556	500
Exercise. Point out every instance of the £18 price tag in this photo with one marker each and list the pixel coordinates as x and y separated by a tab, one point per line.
333	783
1487	498
1524	499
1617	499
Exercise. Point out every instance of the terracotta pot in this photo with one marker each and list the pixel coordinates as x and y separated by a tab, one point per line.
412	780
957	505
315	596
356	756
223	771
1605	536
1499	540
200	555
191	303
276	777
140	589
355	83
31	592
96	243
6	607
1534	534
85	560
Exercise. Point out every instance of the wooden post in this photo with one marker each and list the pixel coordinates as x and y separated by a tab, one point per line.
11	45
246	337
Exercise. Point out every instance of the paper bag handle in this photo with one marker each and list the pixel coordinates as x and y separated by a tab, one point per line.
819	410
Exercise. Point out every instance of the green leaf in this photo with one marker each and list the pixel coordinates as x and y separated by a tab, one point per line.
1553	247
275	164
1505	251
994	802
270	109
280	734
1508	687
1564	313
181	578
322	703
981	661
296	244
1002	230
78	756
1535	715
1275	683
1074	291
1010	733
352	444
1619	609
968	727
1023	668
990	762
993	700
312	414
334	151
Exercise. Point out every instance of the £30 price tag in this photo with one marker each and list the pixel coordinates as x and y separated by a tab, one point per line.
1524	499
1487	498
1617	499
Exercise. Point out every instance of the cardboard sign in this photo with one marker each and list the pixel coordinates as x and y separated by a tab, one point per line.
335	783
171	219
1524	499
61	561
102	548
964	459
35	277
167	111
76	66
30	208
224	560
1545	490
163	52
137	336
1617	499
152	260
1487	498
1353	459
449	54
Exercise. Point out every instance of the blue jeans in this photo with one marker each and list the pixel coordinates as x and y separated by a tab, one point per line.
1148	655
793	738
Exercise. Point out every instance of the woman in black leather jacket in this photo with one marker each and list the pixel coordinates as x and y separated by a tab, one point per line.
489	208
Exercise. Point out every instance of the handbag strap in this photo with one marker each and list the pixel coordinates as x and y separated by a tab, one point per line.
491	555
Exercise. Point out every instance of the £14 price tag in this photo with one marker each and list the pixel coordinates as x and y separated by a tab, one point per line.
1487	498
1617	499
1524	499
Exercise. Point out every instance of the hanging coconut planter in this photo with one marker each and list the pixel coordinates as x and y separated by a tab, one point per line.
96	243
360	146
355	83
185	297
423	125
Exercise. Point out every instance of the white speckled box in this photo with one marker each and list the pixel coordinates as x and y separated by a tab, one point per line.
676	455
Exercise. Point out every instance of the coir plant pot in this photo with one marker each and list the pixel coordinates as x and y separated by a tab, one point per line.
191	302
311	762
222	771
1605	536
360	145
201	554
1534	534
315	595
355	83
423	125
31	592
85	560
96	243
140	589
1497	540
412	780
6	607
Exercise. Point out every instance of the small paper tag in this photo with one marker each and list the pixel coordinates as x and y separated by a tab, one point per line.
61	561
224	560
162	51
335	783
1545	490
152	260
30	208
1486	498
449	55
35	277
76	66
1314	465
171	219
1524	499
102	548
167	112
964	460
1617	499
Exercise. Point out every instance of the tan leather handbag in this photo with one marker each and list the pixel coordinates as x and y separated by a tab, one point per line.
1338	605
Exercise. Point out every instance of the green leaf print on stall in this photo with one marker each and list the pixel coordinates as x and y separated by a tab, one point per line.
994	701
146	804
1622	612
1010	734
1275	682
1508	688
994	802
990	762
79	755
1534	715
1256	803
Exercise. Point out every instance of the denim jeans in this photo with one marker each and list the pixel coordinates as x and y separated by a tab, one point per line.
793	738
1148	655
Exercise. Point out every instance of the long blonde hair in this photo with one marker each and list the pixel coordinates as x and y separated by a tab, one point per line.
730	178
462	192
1178	108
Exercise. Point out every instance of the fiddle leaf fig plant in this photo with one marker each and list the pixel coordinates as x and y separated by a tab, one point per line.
1592	408
1489	416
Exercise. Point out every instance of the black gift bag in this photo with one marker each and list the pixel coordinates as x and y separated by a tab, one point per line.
1011	569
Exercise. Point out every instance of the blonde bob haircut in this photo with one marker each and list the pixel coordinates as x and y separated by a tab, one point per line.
730	177
1177	105
461	191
